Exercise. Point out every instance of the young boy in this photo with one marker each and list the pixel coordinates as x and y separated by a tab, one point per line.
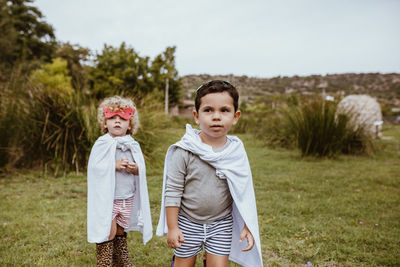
208	197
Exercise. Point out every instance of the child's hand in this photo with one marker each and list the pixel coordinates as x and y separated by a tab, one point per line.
133	168
250	239
121	164
175	238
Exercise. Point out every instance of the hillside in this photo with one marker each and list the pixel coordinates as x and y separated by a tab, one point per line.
385	87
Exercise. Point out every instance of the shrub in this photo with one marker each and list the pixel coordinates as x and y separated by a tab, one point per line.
12	116
320	132
313	126
45	125
152	123
268	126
53	78
59	131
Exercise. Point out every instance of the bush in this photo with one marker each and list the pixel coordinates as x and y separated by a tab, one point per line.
268	126
313	127
152	123
320	132
53	78
57	133
44	123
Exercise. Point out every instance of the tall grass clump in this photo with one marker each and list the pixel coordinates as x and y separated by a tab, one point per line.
45	123
56	132
319	131
9	118
59	131
269	127
266	122
153	123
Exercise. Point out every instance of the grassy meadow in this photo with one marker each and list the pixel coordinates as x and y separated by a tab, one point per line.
325	212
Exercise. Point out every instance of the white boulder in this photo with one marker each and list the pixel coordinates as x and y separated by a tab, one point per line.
364	111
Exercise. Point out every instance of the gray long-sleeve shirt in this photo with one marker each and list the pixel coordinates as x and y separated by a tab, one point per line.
193	185
125	186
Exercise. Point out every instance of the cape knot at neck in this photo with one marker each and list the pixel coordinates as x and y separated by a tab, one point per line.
122	146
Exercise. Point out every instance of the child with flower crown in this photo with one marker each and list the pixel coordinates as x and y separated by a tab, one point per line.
117	189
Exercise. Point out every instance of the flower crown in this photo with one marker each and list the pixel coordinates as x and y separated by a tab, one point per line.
125	113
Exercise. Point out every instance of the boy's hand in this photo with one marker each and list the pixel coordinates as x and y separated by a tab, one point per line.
133	168
175	238
121	164
250	239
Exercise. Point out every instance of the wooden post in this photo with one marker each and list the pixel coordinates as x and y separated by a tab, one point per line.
166	96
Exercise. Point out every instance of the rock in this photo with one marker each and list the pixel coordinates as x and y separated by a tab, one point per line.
364	111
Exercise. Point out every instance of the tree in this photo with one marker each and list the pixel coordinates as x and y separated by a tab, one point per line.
53	79
75	56
24	35
163	68
119	71
122	71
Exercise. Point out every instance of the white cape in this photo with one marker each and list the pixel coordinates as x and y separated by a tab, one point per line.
231	164
101	188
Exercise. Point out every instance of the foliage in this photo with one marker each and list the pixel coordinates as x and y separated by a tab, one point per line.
153	123
45	122
118	71
319	131
310	124
267	126
13	119
24	36
122	71
49	120
163	68
9	118
266	122
53	78
48	128
55	132
75	57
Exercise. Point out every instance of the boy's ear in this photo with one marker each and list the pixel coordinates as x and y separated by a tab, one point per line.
236	117
196	116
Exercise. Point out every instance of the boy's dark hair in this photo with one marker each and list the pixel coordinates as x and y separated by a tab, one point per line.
216	86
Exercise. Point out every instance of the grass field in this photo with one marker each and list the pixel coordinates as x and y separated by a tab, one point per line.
328	212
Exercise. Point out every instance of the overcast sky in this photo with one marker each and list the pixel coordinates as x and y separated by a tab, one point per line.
262	38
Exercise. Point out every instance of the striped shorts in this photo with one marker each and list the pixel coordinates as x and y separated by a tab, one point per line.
122	211
216	237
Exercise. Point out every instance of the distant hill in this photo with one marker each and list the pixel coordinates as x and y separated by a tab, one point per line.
384	87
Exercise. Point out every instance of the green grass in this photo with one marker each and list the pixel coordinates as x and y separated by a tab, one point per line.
330	212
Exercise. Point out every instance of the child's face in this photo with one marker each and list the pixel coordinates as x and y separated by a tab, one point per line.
117	126
216	116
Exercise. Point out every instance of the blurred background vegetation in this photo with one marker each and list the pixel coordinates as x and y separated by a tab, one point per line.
50	91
